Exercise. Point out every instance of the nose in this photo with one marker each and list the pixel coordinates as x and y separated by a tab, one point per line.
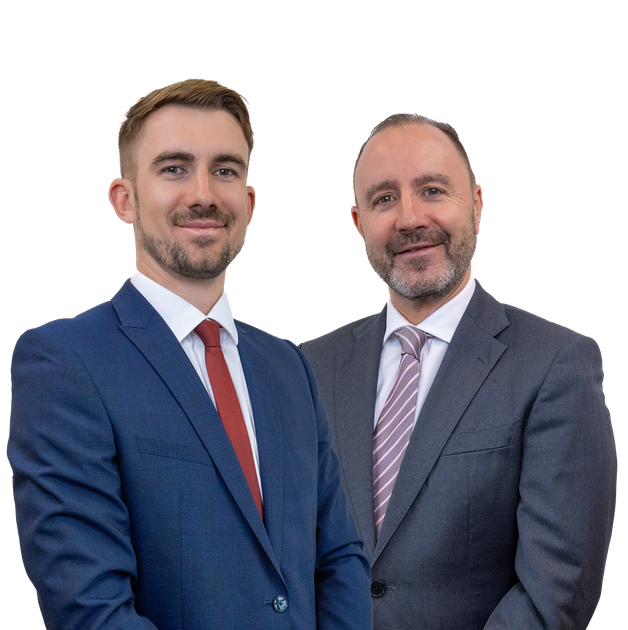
200	190
410	213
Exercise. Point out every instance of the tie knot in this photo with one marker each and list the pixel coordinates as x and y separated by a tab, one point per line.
209	332
411	340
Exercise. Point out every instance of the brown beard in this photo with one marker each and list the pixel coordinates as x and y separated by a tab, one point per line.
172	256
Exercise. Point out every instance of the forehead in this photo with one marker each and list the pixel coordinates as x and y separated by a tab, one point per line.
407	152
197	131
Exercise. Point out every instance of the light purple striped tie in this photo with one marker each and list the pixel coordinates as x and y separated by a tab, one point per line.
394	427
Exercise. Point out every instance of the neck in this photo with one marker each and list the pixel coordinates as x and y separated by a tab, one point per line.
416	311
203	294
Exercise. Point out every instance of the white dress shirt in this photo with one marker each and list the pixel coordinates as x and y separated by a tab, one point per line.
441	325
182	318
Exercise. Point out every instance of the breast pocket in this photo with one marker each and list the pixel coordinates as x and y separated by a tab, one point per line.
484	440
173	450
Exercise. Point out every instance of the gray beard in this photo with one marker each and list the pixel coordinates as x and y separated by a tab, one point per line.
458	257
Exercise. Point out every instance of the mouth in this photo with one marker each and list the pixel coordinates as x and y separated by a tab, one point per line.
417	249
201	227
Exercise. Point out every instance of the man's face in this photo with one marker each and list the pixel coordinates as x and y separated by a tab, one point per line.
192	204
417	211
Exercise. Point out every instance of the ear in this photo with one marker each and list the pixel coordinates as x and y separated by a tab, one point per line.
251	193
478	203
122	199
355	215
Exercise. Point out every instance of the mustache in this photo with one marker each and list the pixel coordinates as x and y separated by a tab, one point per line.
422	236
210	213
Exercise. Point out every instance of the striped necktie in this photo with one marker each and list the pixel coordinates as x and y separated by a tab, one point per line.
394	426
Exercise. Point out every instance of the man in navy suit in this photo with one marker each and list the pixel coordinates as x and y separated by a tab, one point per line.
476	448
139	505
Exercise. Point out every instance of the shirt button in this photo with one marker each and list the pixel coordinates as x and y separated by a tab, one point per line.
280	604
377	589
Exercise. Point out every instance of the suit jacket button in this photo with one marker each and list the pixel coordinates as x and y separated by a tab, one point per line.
280	604
378	589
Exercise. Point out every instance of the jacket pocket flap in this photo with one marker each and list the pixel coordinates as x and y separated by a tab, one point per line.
173	450
497	437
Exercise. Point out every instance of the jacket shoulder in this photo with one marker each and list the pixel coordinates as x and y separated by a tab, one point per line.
336	338
274	348
87	325
538	330
515	326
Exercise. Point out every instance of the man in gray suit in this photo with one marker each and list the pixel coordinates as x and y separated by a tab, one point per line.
476	448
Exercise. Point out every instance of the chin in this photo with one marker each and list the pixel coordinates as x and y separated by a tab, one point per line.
420	287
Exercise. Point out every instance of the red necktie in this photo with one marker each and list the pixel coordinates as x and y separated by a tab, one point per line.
228	405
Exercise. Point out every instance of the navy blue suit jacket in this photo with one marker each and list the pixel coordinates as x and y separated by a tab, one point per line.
132	508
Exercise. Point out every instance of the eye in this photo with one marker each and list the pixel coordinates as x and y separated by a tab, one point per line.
384	199
225	172
173	170
432	192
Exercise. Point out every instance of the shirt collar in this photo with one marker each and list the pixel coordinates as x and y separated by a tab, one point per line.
442	323
181	316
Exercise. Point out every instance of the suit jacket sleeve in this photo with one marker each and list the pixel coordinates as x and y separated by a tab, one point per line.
343	574
73	524
567	498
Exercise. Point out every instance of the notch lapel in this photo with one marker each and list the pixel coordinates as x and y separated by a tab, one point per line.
355	390
262	387
472	354
153	338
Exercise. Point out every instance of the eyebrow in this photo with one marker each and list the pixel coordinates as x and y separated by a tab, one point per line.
229	157
380	187
172	156
428	178
184	156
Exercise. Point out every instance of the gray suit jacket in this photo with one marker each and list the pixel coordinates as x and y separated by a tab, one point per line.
502	511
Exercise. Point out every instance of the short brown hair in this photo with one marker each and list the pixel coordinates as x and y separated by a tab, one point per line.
398	120
196	93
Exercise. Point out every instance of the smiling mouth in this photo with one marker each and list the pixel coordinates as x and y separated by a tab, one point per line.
201	225
414	249
201	220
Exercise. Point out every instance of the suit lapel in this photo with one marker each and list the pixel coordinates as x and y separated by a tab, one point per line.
355	390
154	339
260	381
471	356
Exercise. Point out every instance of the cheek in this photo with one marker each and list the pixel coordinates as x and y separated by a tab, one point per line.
233	197
457	220
154	201
376	233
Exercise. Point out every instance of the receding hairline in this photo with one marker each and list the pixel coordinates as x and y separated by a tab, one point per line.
402	120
